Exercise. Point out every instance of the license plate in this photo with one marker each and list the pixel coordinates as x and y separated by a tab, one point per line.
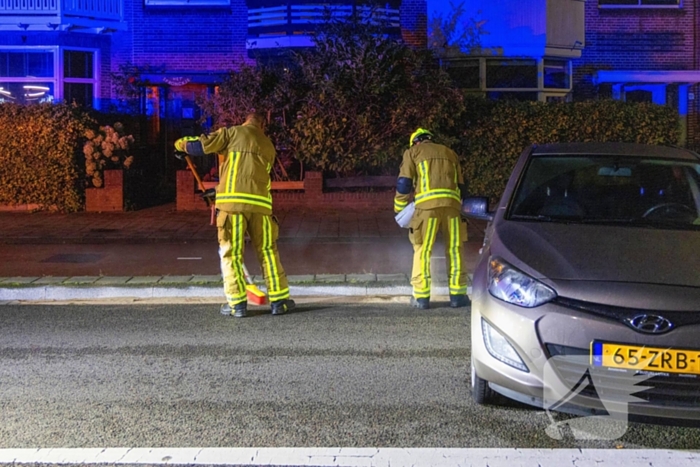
635	357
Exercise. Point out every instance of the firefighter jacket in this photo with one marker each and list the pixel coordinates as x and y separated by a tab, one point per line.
244	172
430	172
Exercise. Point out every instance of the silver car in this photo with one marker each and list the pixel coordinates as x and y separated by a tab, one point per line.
590	274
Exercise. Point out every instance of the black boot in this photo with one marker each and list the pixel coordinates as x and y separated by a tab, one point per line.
281	307
240	310
420	303
459	301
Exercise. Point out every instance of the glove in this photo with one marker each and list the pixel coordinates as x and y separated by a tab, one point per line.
209	195
181	144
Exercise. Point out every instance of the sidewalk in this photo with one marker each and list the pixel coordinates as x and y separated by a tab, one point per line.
160	253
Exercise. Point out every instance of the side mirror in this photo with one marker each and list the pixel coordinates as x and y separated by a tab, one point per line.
477	207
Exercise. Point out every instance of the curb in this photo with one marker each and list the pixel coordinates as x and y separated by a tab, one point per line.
28	289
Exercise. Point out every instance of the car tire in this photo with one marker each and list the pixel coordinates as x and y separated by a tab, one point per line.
481	392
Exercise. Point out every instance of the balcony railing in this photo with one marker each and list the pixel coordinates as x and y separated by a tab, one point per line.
88	15
291	24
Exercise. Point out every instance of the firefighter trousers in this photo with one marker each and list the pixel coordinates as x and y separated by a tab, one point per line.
263	231
423	230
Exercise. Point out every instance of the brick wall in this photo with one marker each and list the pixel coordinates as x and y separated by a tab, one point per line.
191	38
636	39
414	22
312	196
108	198
640	39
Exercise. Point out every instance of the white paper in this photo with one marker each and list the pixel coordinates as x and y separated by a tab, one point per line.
404	217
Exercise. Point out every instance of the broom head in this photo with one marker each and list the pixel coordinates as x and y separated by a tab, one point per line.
255	295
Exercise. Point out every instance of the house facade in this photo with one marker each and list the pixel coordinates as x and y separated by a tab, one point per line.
633	50
522	51
167	52
644	50
177	50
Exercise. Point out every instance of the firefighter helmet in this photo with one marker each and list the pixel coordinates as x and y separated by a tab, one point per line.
421	134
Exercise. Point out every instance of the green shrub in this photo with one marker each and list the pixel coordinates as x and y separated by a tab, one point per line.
39	153
494	133
49	154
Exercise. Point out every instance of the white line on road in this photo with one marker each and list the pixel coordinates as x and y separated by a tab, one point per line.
355	457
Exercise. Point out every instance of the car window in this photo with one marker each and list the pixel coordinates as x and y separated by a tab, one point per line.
609	189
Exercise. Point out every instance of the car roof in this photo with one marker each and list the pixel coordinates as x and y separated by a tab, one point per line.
622	149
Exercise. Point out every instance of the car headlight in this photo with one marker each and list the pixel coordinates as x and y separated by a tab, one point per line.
513	286
499	347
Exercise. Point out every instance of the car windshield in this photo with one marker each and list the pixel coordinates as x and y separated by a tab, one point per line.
655	193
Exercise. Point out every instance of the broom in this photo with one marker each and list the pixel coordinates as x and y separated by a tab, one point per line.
254	294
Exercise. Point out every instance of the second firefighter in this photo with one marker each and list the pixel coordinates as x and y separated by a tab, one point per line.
430	175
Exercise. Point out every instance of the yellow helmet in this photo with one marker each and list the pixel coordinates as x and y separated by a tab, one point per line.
419	135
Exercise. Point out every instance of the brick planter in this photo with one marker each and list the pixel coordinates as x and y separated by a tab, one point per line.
108	198
290	195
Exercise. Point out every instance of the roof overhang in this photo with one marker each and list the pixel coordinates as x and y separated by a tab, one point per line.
641	76
183	78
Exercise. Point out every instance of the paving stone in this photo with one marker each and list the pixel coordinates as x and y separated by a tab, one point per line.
143	280
18	280
392	278
203	279
50	280
330	277
81	280
113	280
175	279
301	278
361	277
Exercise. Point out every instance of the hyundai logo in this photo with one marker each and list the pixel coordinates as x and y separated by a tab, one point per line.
650	324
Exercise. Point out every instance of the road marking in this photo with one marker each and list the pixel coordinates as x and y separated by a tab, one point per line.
354	457
189	258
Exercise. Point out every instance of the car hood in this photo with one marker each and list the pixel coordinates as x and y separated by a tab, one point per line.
583	252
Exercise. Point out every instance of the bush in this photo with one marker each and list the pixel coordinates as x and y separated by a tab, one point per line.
494	133
49	154
39	148
348	105
104	149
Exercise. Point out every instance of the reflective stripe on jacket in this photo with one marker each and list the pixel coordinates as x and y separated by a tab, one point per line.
436	176
244	173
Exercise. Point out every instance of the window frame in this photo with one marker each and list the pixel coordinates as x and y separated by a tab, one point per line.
639	5
540	90
95	80
54	80
59	79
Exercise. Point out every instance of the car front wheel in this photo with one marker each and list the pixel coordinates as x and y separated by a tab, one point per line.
481	392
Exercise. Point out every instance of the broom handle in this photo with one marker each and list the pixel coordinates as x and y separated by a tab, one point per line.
247	275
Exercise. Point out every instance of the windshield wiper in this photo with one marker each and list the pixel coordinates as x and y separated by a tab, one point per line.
528	217
623	220
644	223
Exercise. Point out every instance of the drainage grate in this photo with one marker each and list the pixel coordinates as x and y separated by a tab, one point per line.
73	258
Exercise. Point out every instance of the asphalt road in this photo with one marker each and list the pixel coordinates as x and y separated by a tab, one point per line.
364	373
299	257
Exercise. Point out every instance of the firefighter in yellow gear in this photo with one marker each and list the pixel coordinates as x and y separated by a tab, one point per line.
244	205
430	175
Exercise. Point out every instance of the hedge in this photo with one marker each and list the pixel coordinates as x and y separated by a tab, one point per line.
39	155
494	133
42	160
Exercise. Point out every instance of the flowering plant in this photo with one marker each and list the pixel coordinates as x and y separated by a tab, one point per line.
106	148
